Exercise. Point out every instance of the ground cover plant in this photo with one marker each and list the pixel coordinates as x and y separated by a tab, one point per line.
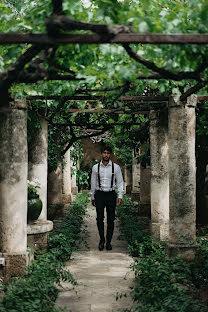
163	284
36	290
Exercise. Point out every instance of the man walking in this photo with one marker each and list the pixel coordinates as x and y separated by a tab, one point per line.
106	177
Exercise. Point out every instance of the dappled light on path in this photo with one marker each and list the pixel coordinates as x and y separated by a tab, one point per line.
101	275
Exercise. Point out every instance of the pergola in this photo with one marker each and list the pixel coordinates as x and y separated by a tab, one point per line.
172	145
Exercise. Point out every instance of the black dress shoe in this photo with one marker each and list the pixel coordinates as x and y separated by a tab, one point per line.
108	246
101	245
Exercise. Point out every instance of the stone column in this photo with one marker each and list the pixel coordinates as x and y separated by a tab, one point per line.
38	170
182	176
66	198
144	209
127	180
74	187
56	207
38	163
159	175
13	188
55	179
135	179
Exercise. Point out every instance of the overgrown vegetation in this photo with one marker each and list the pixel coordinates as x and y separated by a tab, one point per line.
163	284
110	70
36	290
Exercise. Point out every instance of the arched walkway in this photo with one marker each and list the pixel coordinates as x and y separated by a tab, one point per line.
101	275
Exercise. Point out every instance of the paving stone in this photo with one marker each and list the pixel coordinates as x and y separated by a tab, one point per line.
100	275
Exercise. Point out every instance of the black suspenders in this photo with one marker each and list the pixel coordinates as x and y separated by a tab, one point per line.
99	176
111	177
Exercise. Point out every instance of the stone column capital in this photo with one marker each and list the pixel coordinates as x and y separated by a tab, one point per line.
19	104
175	101
153	115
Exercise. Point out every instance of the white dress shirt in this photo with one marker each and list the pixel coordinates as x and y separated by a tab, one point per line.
105	179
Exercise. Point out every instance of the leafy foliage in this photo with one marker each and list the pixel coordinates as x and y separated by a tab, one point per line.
37	289
107	66
162	284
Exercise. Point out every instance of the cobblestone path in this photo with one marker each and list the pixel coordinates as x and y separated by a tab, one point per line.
101	275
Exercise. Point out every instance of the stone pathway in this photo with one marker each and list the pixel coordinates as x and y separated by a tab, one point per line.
101	275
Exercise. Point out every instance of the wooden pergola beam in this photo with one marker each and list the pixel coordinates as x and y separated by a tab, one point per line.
65	98
140	98
202	97
98	97
111	111
152	38
100	124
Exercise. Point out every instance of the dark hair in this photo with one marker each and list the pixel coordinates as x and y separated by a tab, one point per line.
106	148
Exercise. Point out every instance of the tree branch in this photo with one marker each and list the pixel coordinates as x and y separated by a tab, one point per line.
57	7
81	137
36	71
193	90
62	22
166	74
54	64
24	78
11	74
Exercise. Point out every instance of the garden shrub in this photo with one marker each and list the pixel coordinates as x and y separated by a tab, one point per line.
36	290
163	284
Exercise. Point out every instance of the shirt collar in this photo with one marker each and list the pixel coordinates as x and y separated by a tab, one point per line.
109	164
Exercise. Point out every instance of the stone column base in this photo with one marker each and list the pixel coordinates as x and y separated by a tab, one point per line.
159	231
15	264
144	210
184	251
155	230
74	190
37	233
66	198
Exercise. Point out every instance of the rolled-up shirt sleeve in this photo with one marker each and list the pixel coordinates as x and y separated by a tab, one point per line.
119	182
93	182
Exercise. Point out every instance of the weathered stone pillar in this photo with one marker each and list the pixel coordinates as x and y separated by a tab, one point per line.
127	180
38	170
182	176
74	187
56	208
55	179
144	209
13	188
159	175
38	163
66	198
135	179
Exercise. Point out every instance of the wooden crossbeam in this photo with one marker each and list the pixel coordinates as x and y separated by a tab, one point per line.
151	100
66	98
150	38
142	98
202	98
106	124
145	110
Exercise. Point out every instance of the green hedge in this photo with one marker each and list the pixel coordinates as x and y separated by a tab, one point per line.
36	290
163	284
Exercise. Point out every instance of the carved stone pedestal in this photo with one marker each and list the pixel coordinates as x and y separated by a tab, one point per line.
37	233
184	251
14	265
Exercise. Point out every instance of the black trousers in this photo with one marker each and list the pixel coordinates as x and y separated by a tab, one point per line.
108	200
